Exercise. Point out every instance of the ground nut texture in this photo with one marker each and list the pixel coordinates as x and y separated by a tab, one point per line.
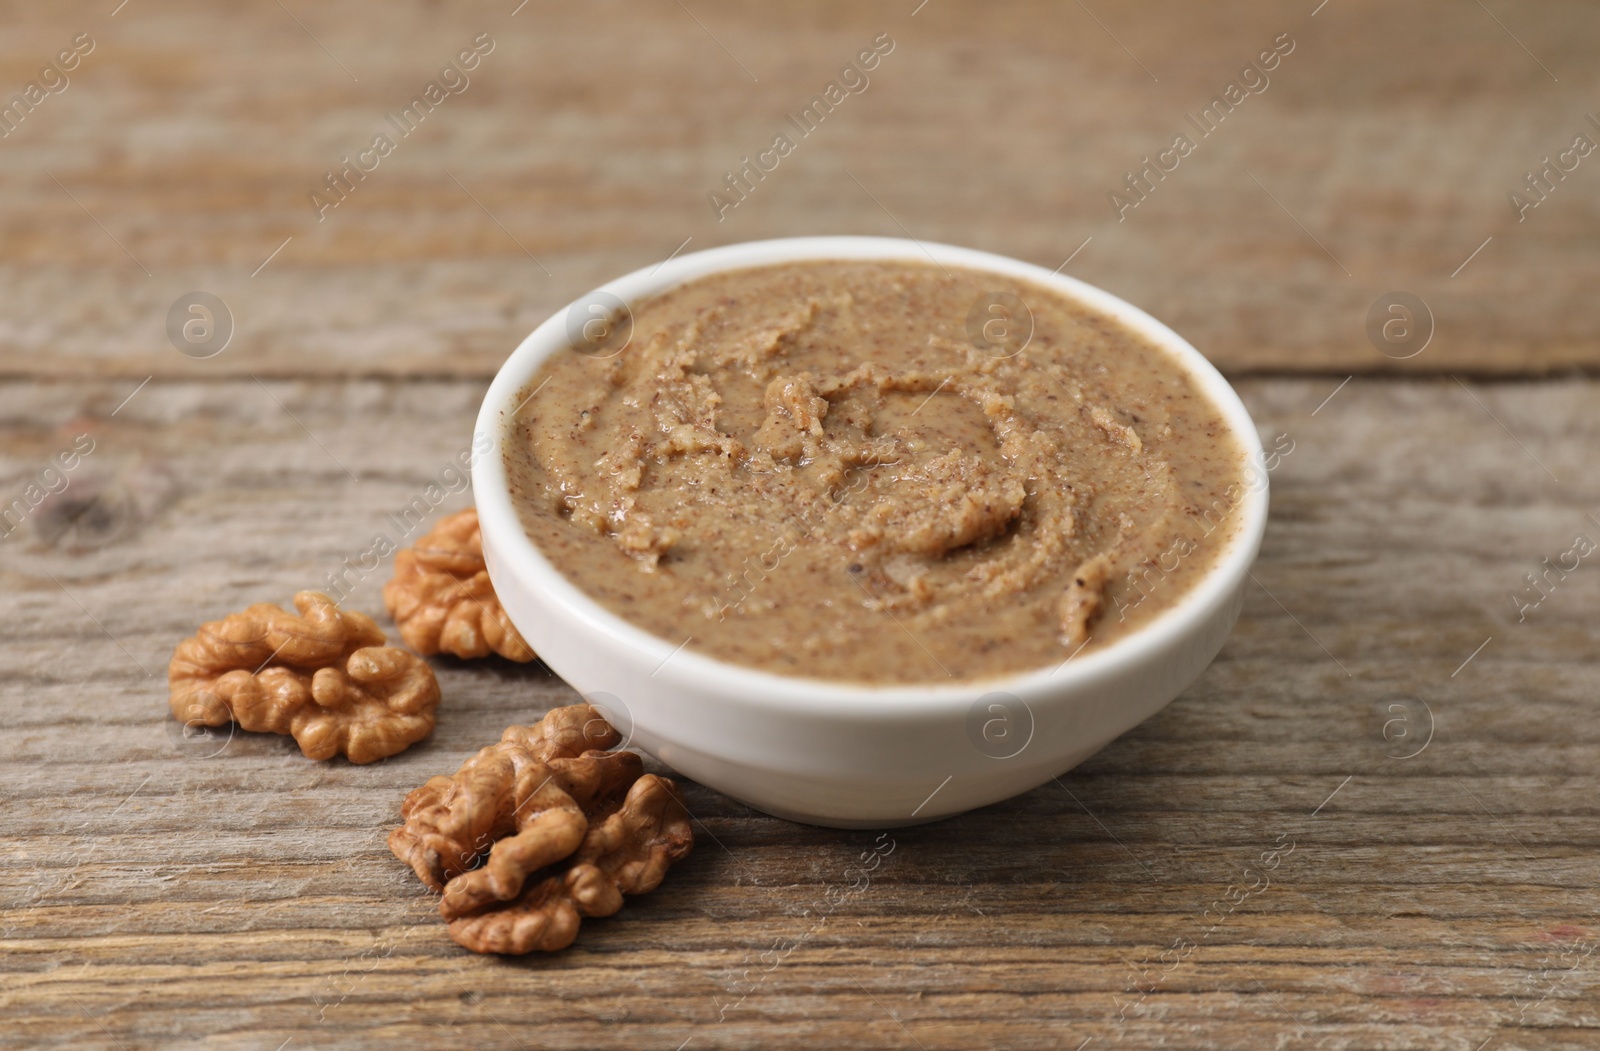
875	472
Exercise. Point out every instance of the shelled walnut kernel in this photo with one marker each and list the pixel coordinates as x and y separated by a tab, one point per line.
567	827
441	598
325	677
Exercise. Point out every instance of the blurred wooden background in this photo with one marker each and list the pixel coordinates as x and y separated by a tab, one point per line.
593	133
156	897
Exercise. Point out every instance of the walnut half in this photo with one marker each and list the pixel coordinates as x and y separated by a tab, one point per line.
324	677
567	827
441	597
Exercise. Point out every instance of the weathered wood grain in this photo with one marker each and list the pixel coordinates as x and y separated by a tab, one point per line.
151	896
154	896
1380	157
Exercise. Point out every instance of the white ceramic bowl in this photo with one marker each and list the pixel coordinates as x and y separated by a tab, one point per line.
838	754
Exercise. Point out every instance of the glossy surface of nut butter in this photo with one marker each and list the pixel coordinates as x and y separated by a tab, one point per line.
875	472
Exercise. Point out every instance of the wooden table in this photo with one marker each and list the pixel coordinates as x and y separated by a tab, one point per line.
1415	741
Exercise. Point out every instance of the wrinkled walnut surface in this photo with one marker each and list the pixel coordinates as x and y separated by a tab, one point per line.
441	597
567	827
323	677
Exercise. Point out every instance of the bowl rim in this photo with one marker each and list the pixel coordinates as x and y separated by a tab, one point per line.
518	554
